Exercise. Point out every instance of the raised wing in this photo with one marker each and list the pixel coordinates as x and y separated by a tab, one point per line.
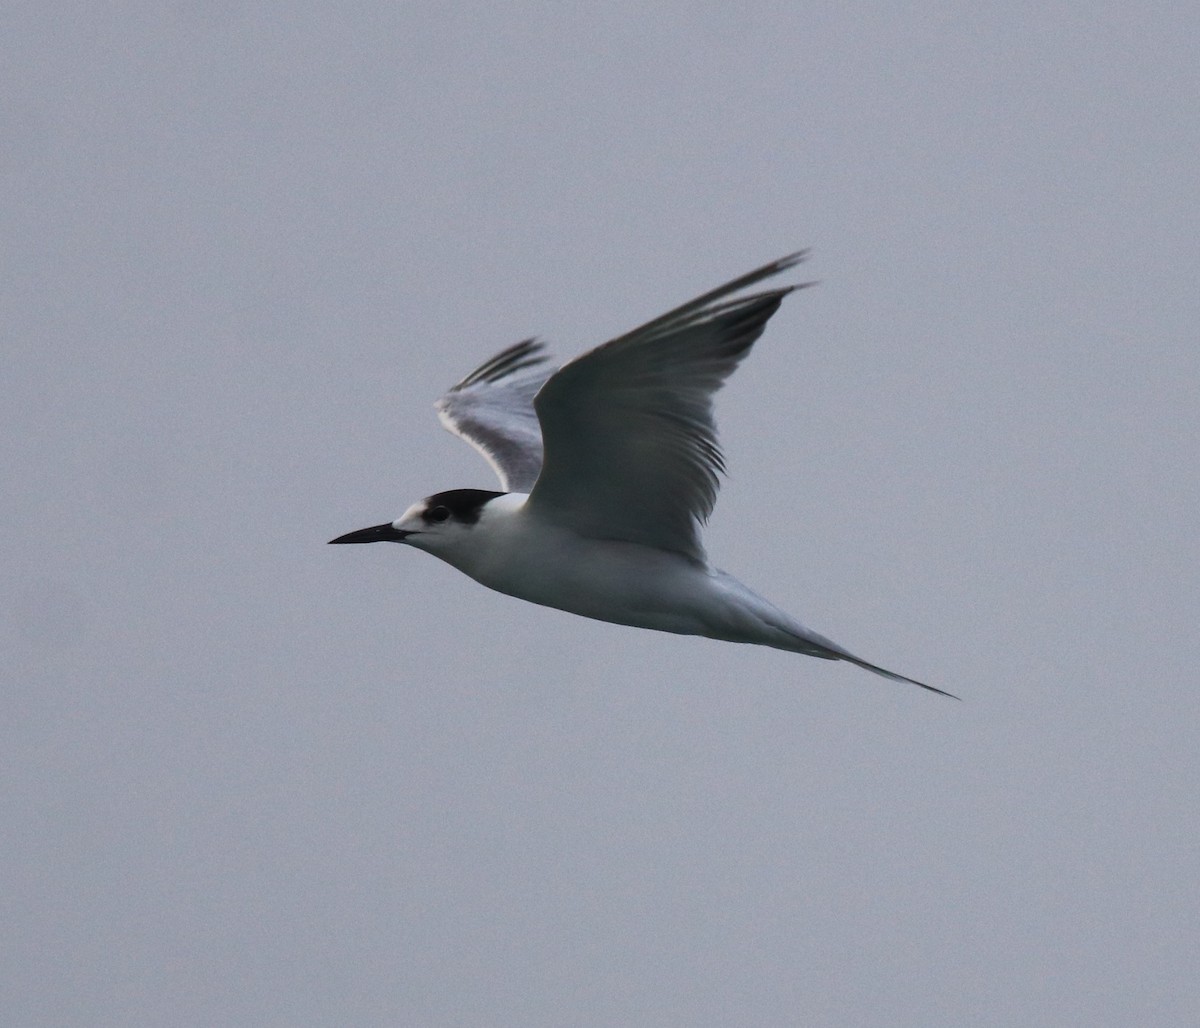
630	445
492	409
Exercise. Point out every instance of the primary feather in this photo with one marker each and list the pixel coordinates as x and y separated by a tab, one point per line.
492	409
630	444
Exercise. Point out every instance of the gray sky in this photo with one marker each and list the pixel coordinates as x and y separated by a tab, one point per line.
252	779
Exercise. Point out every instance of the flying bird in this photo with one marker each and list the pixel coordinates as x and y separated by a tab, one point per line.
609	467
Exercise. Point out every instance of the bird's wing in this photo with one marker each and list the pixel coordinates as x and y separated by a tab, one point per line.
631	449
492	409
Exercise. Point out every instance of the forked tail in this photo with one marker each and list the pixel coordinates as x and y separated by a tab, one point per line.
838	655
818	646
753	619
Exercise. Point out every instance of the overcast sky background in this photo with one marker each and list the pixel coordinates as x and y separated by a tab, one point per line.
248	778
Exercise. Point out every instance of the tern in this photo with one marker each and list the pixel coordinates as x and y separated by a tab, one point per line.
609	467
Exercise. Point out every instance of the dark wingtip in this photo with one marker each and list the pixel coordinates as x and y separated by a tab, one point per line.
527	353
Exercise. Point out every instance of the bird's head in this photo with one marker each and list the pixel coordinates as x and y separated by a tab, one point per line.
440	524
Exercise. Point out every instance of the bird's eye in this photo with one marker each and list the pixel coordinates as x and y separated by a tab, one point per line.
436	515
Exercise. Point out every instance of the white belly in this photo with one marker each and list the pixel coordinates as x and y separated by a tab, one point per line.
610	581
625	583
